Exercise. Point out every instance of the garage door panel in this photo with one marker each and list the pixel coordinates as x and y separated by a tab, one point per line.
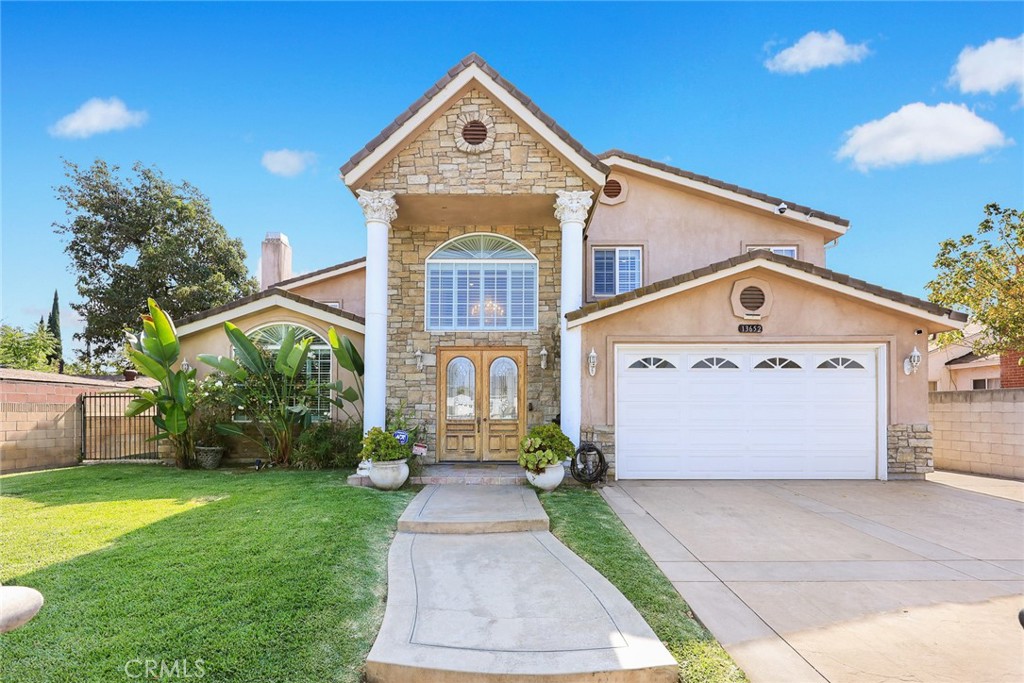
746	422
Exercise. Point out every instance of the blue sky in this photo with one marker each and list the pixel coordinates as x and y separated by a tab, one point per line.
208	89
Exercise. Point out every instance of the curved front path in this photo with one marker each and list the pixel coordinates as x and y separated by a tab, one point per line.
502	600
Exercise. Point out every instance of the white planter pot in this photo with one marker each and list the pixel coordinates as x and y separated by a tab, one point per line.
389	475
549	479
364	468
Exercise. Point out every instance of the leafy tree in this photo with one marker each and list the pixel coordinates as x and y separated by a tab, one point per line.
23	350
139	237
983	274
53	326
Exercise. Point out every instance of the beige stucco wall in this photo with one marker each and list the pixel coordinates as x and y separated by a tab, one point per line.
213	339
680	230
800	313
347	289
979	431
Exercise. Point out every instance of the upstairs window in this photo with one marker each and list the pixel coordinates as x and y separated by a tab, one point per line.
481	282
617	270
790	251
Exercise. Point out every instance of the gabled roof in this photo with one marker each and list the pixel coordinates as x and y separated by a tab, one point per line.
971	357
471	68
794	211
784	265
269	298
322	273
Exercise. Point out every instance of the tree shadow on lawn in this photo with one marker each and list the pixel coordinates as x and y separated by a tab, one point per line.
278	578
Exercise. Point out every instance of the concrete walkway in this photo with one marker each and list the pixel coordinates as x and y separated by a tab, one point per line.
848	582
479	590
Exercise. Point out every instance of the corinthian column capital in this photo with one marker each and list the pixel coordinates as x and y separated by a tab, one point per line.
572	206
378	205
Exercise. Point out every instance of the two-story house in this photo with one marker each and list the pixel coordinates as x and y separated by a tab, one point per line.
687	325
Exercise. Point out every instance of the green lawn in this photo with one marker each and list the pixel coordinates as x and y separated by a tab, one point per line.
268	576
582	520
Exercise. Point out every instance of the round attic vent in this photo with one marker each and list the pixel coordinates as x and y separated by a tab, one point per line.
752	298
612	189
474	132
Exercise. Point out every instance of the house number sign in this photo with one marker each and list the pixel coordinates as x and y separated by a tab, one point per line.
747	328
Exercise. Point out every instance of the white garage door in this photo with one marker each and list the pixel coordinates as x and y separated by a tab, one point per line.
733	412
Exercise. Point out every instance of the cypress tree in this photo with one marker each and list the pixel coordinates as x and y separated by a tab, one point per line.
53	325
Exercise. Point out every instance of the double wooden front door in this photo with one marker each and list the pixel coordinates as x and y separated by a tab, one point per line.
481	403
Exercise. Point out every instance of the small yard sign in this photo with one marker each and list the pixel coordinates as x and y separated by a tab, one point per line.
402	436
419	449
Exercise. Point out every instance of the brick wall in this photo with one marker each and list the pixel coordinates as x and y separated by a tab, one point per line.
981	432
1011	372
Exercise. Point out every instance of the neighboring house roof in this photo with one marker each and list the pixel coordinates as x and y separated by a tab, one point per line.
616	157
322	273
111	382
972	357
781	264
472	67
269	298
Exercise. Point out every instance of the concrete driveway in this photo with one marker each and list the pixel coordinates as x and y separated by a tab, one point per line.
845	581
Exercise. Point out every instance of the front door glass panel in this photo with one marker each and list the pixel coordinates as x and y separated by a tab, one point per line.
461	389
504	383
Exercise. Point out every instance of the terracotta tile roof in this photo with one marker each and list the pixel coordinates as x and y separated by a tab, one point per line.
760	254
269	292
472	58
306	276
724	186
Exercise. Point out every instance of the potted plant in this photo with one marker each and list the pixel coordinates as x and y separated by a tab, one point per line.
542	452
210	444
388	466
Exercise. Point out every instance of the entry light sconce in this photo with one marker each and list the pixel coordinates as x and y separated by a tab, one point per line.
185	367
544	358
912	362
592	362
419	359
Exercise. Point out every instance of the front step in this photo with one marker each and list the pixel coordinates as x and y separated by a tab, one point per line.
503	474
473	510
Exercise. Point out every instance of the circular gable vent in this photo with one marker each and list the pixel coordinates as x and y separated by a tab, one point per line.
612	189
474	132
752	298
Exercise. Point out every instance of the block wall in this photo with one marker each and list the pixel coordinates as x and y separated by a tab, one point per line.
980	432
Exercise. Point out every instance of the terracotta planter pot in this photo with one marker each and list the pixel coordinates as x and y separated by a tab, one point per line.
209	457
549	479
389	475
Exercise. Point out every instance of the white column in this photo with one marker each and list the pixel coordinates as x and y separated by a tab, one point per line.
380	209
571	211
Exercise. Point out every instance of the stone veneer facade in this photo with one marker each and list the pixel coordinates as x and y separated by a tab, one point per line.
910	451
409	248
517	163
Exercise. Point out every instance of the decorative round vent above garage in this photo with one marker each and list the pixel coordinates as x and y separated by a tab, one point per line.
474	132
751	298
614	191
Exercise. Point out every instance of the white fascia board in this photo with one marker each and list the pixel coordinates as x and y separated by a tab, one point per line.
698	186
781	270
269	302
322	276
431	108
986	362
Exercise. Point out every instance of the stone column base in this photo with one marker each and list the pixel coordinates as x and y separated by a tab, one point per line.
910	451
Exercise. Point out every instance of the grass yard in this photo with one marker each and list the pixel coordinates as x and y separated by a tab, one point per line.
268	576
582	520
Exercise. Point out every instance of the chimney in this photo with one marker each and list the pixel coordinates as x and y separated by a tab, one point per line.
276	259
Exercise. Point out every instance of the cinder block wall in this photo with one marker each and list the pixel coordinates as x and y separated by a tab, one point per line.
981	432
40	424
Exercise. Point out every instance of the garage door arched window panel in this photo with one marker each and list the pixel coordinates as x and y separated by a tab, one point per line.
651	362
461	399
504	383
318	361
481	282
777	363
840	363
715	363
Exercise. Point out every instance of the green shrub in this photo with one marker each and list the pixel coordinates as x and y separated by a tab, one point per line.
545	445
379	446
329	444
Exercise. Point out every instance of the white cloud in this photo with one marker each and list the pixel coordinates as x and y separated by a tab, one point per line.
918	133
97	116
816	51
996	66
287	162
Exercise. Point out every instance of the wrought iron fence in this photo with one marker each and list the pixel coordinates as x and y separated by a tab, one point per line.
108	435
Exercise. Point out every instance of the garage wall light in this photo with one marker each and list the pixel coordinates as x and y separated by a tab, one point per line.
912	362
592	362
